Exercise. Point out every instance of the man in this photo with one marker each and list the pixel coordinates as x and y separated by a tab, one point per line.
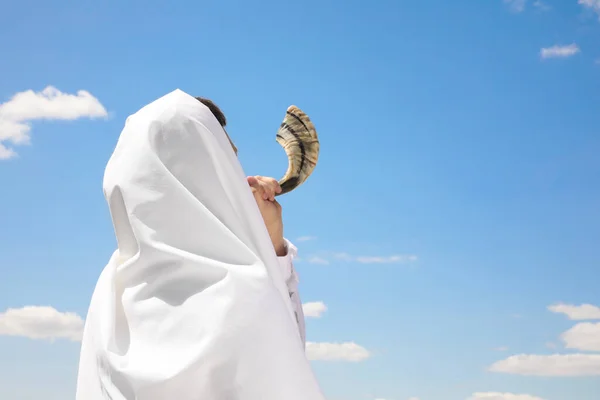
195	301
264	190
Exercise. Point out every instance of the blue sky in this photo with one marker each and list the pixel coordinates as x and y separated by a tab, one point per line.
462	133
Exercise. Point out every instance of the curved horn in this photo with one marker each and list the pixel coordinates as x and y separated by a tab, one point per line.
298	137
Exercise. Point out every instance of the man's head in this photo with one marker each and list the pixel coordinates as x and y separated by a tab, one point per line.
216	111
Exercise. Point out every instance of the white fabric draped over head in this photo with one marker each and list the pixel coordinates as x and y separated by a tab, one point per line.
193	304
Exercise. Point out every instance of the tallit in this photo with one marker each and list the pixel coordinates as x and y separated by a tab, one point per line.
193	304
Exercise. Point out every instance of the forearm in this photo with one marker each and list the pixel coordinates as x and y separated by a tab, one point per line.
280	246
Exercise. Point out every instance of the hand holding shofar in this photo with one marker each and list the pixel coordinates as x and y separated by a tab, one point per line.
298	137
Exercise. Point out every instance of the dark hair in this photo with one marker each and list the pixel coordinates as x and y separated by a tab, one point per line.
214	109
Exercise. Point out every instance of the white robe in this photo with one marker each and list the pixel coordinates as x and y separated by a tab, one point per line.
194	304
291	279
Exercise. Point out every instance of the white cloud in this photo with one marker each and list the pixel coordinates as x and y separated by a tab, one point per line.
502	396
386	260
541	5
318	260
576	313
306	238
411	398
584	336
393	259
6	153
40	322
49	104
559	51
314	309
501	348
593	5
348	351
516	5
549	365
343	256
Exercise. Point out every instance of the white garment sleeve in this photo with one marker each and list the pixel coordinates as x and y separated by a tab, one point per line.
291	279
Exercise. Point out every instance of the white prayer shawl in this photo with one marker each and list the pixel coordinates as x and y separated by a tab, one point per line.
291	279
194	303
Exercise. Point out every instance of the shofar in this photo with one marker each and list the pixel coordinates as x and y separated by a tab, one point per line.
298	137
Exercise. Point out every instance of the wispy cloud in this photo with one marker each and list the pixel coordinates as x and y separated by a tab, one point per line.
559	51
49	104
593	5
541	5
41	322
306	238
318	260
345	257
549	365
347	351
501	348
314	309
576	313
502	396
386	260
516	5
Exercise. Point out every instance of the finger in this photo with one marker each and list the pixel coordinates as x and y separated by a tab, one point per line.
261	186
272	186
256	192
266	191
252	180
264	187
257	189
275	185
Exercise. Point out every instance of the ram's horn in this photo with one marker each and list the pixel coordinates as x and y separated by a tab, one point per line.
298	137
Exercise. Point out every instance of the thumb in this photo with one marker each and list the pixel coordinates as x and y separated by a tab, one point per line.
252	181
